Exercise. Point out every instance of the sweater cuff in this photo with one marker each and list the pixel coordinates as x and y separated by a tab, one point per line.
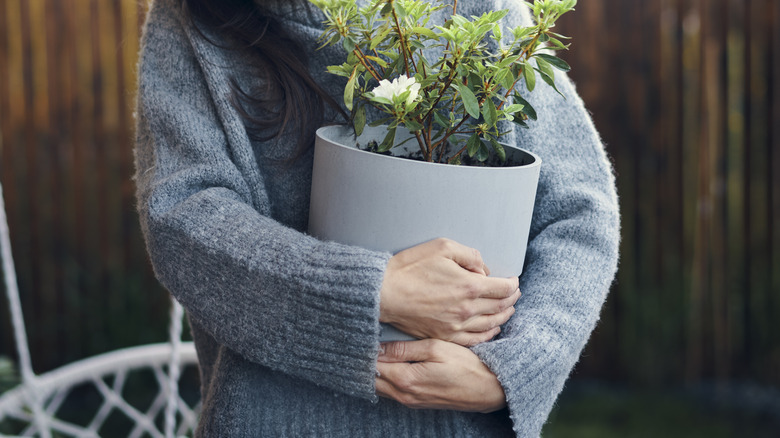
339	337
532	371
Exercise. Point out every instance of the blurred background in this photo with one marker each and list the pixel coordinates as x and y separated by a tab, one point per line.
686	95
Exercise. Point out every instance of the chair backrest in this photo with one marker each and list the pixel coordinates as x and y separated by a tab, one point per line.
38	405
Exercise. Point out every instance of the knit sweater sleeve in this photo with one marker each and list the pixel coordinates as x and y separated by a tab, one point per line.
570	262
276	296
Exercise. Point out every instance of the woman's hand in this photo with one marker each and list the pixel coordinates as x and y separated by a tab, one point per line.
434	374
441	289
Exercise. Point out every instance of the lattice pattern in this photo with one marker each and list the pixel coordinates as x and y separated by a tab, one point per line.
37	407
104	379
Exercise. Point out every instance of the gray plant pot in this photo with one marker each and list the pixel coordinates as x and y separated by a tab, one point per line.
386	203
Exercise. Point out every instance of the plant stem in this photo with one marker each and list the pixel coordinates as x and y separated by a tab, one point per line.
524	52
421	143
441	93
446	137
452	158
401	38
383	69
362	58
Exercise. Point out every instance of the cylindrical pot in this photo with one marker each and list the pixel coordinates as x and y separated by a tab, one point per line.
387	203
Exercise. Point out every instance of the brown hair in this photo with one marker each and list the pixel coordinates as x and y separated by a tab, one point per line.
292	101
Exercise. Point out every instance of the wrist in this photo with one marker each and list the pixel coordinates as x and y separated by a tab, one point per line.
385	296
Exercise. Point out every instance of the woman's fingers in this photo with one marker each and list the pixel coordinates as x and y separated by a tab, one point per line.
470	339
442	375
440	289
468	258
403	351
490	306
498	288
484	323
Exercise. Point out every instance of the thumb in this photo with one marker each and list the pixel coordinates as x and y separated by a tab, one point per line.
405	351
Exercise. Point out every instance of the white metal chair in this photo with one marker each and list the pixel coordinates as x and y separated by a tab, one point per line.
39	405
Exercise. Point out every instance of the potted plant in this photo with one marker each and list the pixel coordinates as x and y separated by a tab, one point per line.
431	164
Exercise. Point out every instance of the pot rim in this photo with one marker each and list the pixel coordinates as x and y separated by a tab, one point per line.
537	160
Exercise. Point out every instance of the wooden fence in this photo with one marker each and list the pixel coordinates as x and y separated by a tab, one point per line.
66	92
686	94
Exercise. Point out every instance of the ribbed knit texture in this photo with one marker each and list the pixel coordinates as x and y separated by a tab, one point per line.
286	326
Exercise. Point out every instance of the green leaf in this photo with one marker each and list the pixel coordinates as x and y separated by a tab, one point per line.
497	16
556	62
386	9
459	20
337	70
527	108
473	144
513	108
399	10
500	152
519	120
416	44
558	44
379	122
444	123
530	76
359	121
348	44
387	143
383	100
497	31
377	40
551	82
475	81
379	61
446	33
426	32
508	81
469	100
483	153
545	67
490	112
349	91
333	40
413	126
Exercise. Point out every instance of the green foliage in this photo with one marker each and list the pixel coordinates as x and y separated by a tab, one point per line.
602	412
468	91
8	375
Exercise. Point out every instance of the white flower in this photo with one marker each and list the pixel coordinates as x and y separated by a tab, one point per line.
392	90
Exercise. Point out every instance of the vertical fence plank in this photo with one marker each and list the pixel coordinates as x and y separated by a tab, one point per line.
75	170
53	145
735	169
760	174
69	115
29	181
774	149
688	184
694	159
6	338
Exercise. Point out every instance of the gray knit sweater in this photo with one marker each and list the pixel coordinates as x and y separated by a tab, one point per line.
285	325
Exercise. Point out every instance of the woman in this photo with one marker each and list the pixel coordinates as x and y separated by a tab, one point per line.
286	327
